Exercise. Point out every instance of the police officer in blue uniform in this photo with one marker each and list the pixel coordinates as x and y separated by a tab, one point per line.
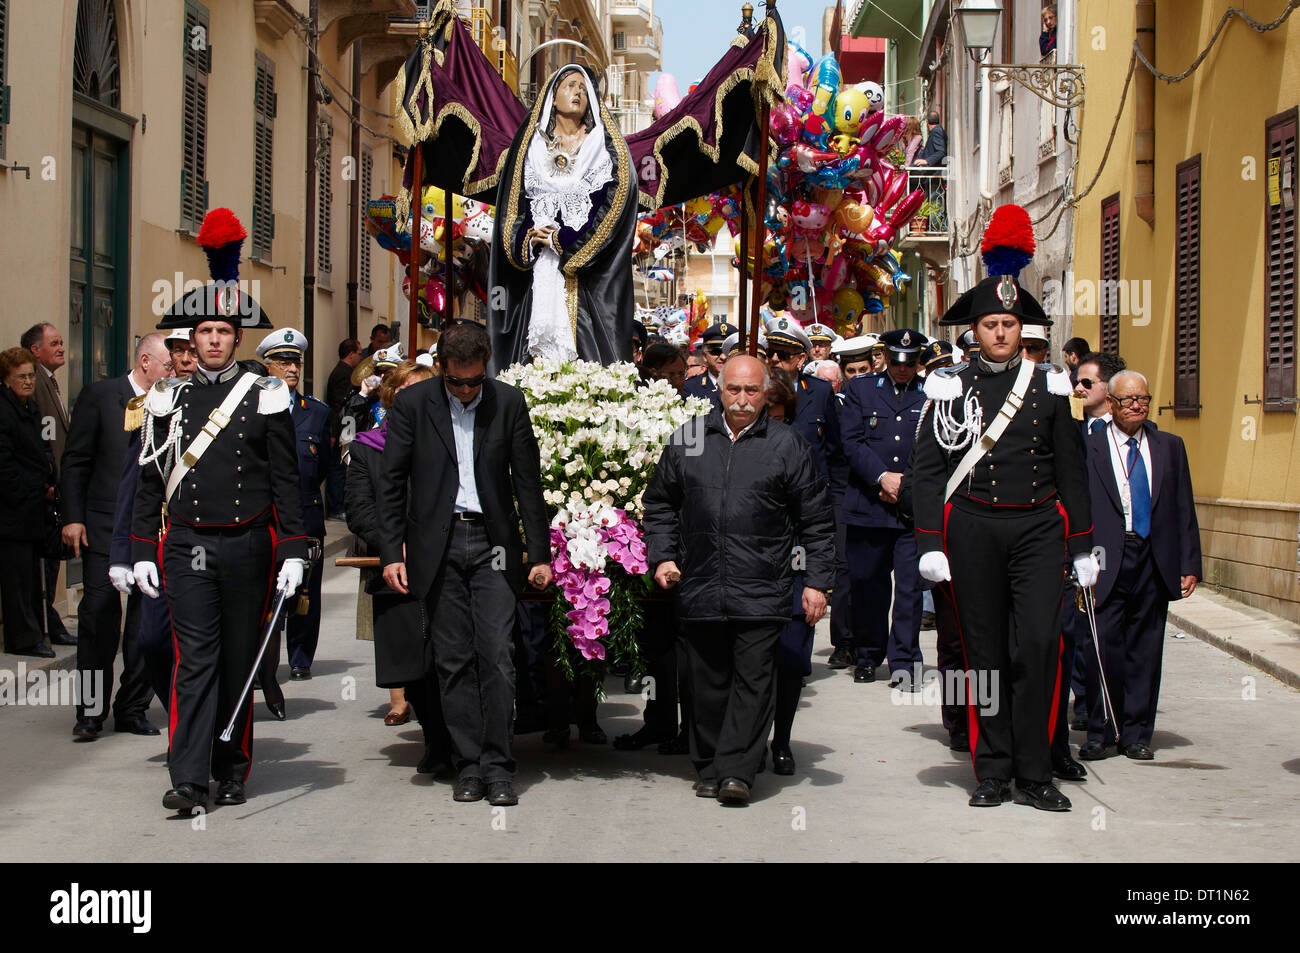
706	385
816	409
879	423
284	352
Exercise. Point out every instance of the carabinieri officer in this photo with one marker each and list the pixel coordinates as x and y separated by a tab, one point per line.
999	472
219	451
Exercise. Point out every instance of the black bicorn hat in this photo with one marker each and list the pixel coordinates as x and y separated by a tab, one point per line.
224	299
1007	246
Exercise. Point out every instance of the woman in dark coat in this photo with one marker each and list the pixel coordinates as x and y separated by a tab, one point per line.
26	489
402	653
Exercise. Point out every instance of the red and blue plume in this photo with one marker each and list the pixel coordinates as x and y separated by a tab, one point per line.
222	238
1008	243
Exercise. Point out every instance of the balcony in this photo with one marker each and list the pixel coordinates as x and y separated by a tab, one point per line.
632	16
928	234
641	50
483	29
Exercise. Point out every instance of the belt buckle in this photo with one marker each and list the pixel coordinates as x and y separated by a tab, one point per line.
219	417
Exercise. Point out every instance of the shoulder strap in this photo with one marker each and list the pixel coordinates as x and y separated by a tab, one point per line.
1015	400
217	421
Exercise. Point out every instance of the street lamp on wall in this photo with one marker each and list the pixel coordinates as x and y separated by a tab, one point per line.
979	25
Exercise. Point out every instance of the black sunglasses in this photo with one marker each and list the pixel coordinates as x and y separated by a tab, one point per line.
910	362
784	355
1087	383
714	349
464	381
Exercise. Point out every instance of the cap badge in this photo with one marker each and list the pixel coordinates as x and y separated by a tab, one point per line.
227	300
288	337
907	339
1007	291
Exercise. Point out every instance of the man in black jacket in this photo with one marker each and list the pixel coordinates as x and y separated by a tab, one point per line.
91	474
728	498
935	150
452	539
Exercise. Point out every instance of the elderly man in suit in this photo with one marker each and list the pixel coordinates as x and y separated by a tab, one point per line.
90	478
1144	521
458	445
46	344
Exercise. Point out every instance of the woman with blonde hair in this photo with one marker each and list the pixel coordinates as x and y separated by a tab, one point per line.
911	139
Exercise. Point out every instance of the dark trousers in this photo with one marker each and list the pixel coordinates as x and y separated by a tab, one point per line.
471	609
217	606
335	481
1075	639
1131	623
842	595
949	658
54	624
302	631
1007	580
20	594
662	647
156	648
873	554
732	670
99	632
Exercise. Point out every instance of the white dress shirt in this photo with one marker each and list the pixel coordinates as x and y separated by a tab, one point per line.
462	427
1118	441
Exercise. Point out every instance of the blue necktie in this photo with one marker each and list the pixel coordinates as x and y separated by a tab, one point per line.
1139	490
1096	425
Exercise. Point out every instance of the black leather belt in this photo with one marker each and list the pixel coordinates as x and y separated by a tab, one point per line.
470	517
1130	537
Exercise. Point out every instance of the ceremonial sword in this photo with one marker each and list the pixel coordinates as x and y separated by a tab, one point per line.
1090	609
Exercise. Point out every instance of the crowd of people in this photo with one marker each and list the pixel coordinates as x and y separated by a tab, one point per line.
889	479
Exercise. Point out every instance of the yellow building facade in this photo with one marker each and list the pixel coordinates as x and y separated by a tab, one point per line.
1197	226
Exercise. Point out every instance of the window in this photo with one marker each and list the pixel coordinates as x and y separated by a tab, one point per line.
324	200
264	104
1009	33
4	89
363	278
1108	299
1280	276
1187	289
196	65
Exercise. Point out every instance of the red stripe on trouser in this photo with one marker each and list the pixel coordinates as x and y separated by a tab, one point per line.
1060	636
176	644
972	716
245	742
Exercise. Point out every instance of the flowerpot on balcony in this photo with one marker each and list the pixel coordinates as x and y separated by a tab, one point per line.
921	223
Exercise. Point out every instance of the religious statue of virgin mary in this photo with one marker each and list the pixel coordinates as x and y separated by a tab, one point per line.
561	271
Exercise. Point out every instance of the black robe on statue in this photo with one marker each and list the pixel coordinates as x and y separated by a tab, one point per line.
595	261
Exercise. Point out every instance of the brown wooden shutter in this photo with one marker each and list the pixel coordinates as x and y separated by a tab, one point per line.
325	200
264	104
1280	267
196	65
367	167
4	72
1108	300
1187	289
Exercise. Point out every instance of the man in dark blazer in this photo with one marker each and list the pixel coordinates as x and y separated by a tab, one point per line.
879	422
1144	522
89	480
935	150
464	446
46	344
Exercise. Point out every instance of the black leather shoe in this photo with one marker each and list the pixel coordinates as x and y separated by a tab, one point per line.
85	729
1094	751
679	745
959	742
782	761
631	684
276	709
902	681
1042	795
991	793
502	794
63	638
927	621
299	674
230	792
1067	769
841	657
468	789
1138	752
135	726
184	798
864	673
639	739
1079	724
435	761
733	791
593	734
39	650
706	789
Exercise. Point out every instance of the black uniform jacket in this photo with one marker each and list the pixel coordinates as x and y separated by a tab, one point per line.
247	477
1037	462
92	459
729	514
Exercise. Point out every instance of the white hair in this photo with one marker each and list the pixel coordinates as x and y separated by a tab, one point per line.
1122	375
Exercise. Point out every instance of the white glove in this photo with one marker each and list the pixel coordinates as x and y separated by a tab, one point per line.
121	578
146	577
369	384
934	567
1087	569
291	574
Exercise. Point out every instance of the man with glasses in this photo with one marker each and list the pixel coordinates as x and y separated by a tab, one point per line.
283	352
1090	387
1144	520
1033	343
89	479
706	385
881	413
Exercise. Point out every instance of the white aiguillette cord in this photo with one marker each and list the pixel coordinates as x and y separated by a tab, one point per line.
1015	400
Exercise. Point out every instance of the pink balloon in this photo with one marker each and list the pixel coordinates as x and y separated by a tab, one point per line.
809	216
436	294
906	208
785	124
889	132
895	186
834	274
800	97
666	95
797	65
870	126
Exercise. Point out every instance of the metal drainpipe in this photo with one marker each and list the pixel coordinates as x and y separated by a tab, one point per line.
1144	102
354	196
309	216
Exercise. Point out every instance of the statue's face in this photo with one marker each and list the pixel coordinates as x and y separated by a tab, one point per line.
571	96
